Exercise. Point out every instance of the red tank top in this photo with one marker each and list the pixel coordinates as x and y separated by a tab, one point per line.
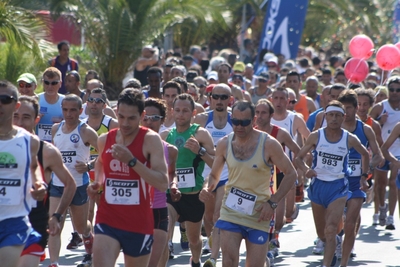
301	107
126	202
368	121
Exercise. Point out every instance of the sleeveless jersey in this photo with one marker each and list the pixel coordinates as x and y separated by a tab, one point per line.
287	124
330	160
354	156
216	135
248	187
126	201
160	198
301	107
189	166
83	115
72	149
15	176
255	97
51	113
392	119
369	121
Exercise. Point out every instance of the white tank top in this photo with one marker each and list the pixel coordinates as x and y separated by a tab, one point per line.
330	160
72	149
392	119
15	176
83	114
217	135
287	124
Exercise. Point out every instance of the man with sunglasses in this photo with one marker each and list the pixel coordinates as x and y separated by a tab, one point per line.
21	180
390	107
247	206
50	103
27	84
218	123
262	90
195	149
224	73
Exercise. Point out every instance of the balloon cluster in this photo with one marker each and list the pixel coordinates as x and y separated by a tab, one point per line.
361	48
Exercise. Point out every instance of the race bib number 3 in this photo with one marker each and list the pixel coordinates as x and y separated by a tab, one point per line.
186	177
241	201
122	192
10	192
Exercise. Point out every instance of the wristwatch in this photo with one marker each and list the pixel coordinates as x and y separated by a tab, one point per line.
273	205
202	151
365	175
132	162
58	216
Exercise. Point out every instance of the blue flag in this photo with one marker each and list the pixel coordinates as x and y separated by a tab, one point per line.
396	22
283	26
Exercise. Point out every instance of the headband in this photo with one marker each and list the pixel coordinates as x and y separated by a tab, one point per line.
334	108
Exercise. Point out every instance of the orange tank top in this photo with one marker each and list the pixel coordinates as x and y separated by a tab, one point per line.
301	107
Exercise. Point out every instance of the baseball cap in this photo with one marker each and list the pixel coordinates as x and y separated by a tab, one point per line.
150	47
239	66
213	75
209	88
27	77
269	57
238	76
190	76
263	75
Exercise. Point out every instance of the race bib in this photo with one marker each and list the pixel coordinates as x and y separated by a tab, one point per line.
355	166
10	191
122	192
241	201
44	132
186	177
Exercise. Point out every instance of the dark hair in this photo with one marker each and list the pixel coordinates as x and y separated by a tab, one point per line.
264	101
293	73
94	73
316	61
348	96
60	44
157	103
31	100
337	86
226	65
132	97
182	82
242	105
393	79
99	91
73	98
185	96
154	70
75	74
8	85
339	71
326	71
172	84
370	93
283	90
133	83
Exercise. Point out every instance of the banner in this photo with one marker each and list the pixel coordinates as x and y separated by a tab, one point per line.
283	27
396	22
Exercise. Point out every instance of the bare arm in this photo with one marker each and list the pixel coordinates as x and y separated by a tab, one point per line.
308	146
39	190
376	111
212	180
373	144
301	127
98	168
285	138
311	105
318	120
354	142
110	112
204	139
237	92
201	119
378	132
388	143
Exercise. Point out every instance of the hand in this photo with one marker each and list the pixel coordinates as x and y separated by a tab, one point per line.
193	145
121	153
93	189
310	173
363	184
38	191
383	118
266	212
54	226
175	193
395	165
81	167
206	195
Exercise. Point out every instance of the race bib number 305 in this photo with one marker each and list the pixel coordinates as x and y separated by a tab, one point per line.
122	192
10	191
241	201
186	177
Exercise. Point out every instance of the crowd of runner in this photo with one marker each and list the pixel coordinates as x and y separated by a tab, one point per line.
222	147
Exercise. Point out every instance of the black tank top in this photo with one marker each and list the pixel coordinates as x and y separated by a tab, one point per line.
141	75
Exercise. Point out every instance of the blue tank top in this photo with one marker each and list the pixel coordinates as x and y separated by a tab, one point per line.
50	114
354	156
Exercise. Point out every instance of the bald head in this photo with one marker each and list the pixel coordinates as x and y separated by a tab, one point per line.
222	88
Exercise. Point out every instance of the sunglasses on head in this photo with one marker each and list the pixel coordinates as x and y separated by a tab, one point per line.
52	83
6	99
152	117
216	97
95	99
25	85
294	101
243	123
392	90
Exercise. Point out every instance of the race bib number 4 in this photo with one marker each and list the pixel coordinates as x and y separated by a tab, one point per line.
10	192
186	177
241	201
122	192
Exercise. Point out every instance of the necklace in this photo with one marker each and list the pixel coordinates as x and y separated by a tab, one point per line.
6	134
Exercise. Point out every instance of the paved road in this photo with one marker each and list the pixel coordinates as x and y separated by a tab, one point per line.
375	246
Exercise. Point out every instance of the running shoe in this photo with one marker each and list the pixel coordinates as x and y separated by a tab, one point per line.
319	247
206	248
171	250
270	259
75	242
274	247
338	251
300	193
353	254
184	240
86	262
375	219
210	263
390	223
382	215
194	264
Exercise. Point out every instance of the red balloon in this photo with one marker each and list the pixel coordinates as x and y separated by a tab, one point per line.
361	46
356	70
398	45
388	57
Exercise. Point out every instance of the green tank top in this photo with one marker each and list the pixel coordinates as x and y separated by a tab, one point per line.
189	166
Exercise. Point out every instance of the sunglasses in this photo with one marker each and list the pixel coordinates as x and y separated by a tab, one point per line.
200	85
52	83
392	90
243	123
152	117
262	80
6	99
25	85
216	97
293	101
97	100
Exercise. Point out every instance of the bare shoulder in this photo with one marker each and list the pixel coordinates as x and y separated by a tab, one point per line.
201	118
164	134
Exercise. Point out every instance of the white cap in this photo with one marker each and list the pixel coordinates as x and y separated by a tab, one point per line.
212	75
269	57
